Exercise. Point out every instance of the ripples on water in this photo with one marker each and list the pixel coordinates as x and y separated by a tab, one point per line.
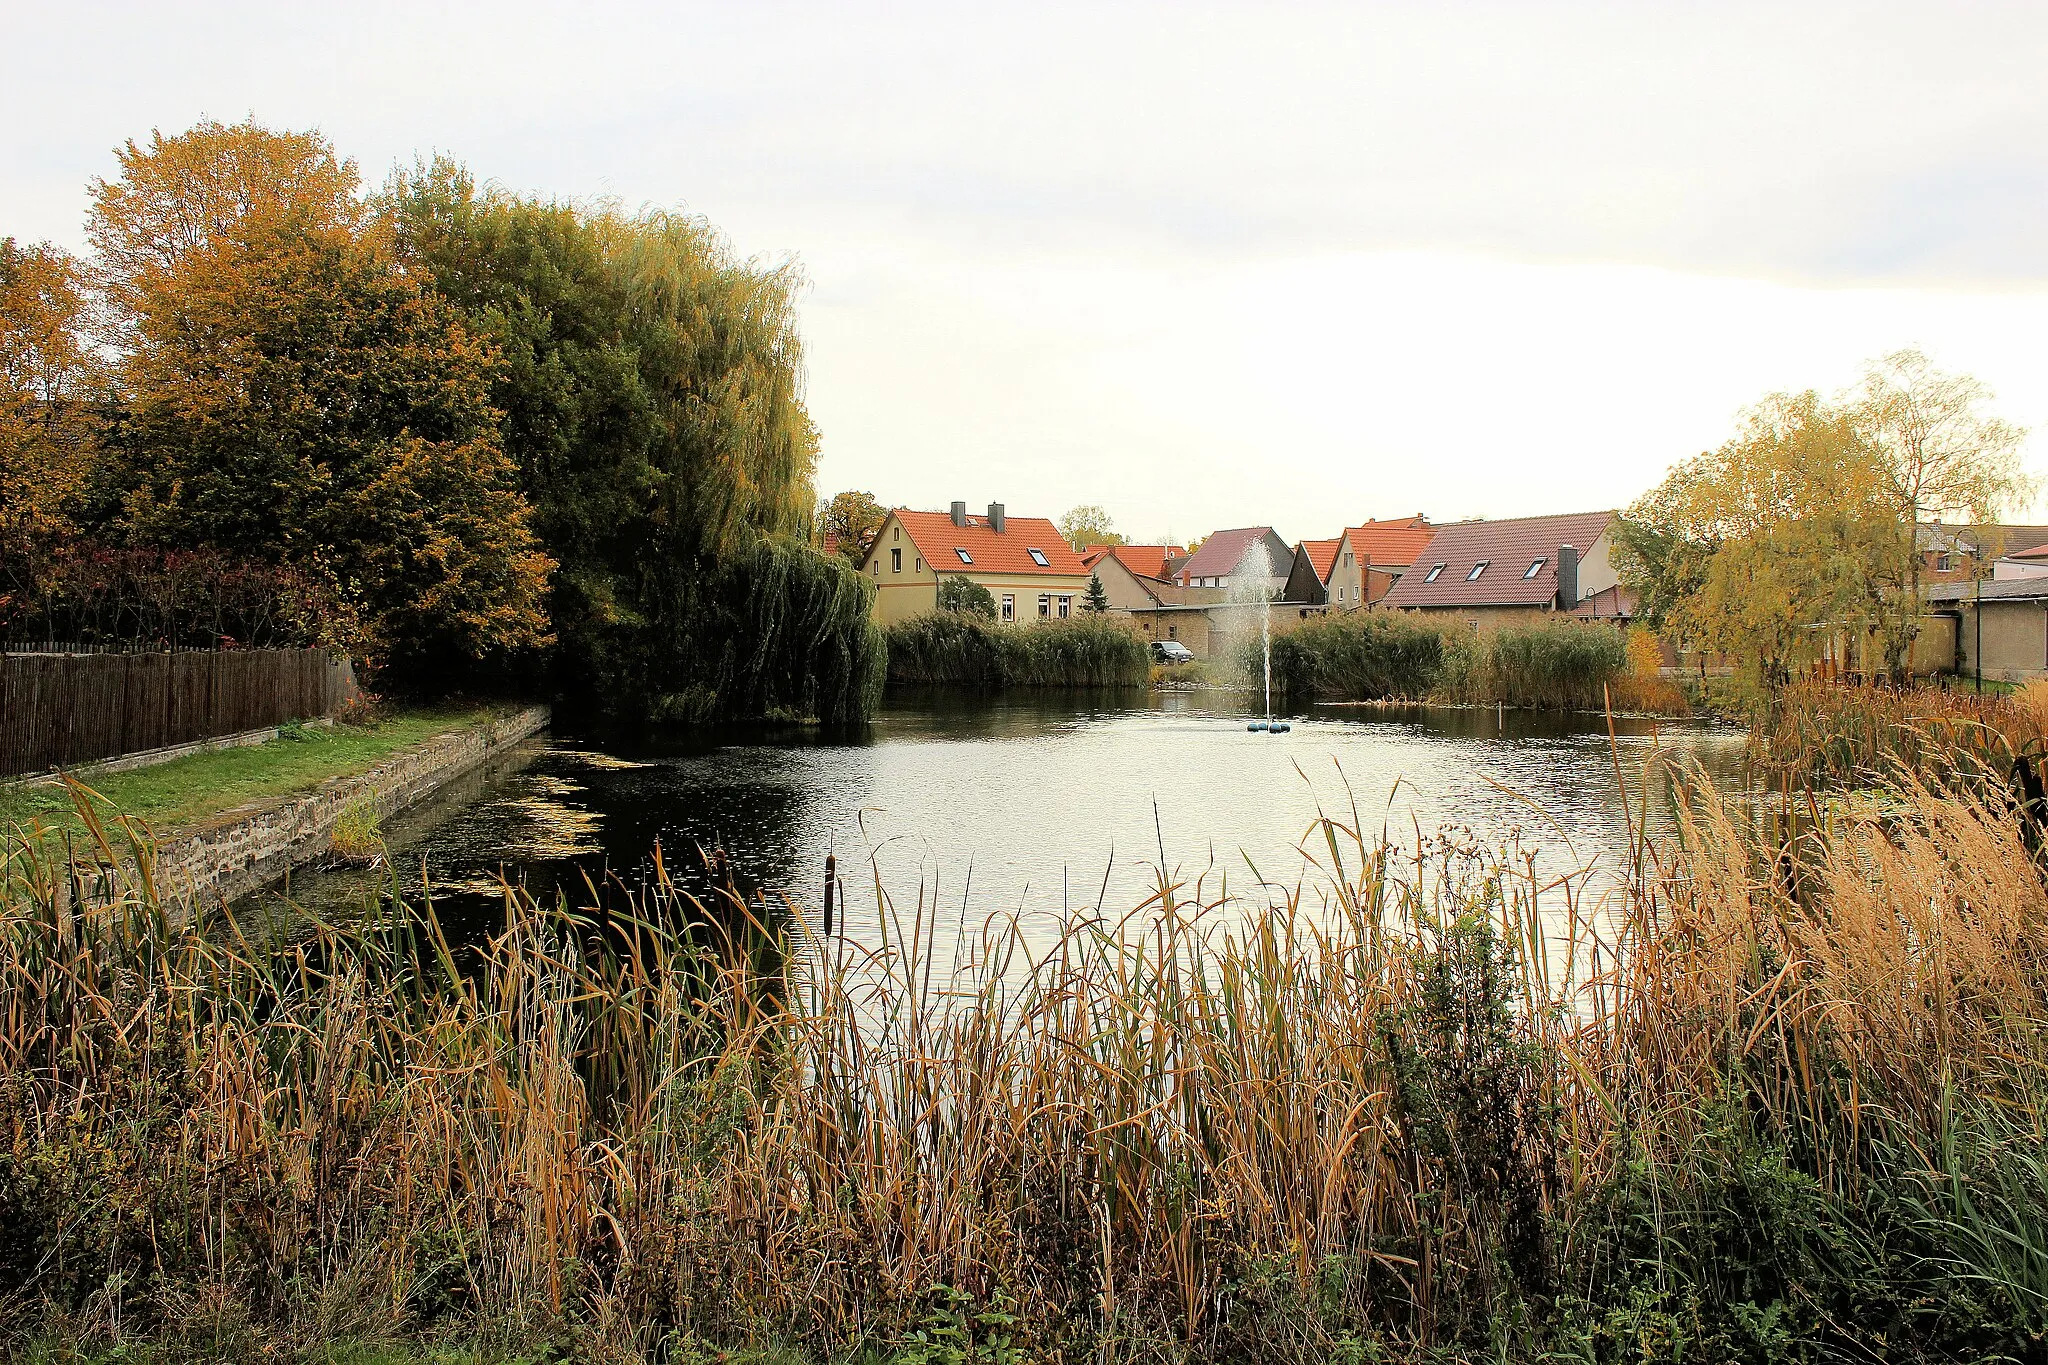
1045	805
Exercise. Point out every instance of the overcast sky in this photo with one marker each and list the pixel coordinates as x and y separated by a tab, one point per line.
1208	266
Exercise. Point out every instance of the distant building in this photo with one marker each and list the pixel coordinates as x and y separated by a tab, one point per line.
1997	630
1371	558
1133	576
1233	560
2031	563
1023	562
1358	567
1488	572
1308	582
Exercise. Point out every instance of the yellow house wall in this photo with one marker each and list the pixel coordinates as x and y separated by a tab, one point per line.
1345	582
1120	586
1191	628
1934	648
1485	618
1596	567
1027	587
914	589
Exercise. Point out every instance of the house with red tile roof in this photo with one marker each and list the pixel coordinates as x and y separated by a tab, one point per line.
1134	577
1490	571
1024	563
1146	561
1371	558
1309	580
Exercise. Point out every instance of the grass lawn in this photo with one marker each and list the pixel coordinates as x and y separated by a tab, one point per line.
184	790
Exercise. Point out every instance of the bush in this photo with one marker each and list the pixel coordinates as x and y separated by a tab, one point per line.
1365	656
961	594
1554	665
966	651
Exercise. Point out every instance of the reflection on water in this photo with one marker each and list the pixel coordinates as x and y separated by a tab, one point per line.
1047	803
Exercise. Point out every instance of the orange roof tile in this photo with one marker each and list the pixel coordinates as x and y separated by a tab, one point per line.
1146	561
939	541
1390	544
1322	556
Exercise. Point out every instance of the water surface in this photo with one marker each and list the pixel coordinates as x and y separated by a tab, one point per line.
1048	804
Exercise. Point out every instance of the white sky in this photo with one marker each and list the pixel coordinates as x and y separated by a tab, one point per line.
1208	265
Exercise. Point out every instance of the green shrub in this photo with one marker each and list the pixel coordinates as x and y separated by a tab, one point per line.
963	650
1372	656
959	593
1360	657
1556	665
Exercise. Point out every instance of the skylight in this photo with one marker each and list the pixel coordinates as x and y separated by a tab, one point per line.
1477	569
1038	558
1431	576
965	558
1536	567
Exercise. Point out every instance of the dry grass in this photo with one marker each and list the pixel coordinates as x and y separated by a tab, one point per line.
1787	1100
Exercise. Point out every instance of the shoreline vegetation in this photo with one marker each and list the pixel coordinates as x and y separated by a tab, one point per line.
964	649
179	792
1781	1100
1563	665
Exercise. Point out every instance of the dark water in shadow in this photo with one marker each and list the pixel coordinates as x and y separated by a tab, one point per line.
1033	803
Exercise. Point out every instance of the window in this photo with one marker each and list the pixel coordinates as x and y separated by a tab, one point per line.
920	563
965	558
1066	605
1340	594
1009	606
896	534
1347	556
895	561
1944	562
1477	569
1434	571
1038	558
1536	567
1173	632
878	568
1044	605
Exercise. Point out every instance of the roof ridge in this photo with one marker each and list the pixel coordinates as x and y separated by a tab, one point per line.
1533	516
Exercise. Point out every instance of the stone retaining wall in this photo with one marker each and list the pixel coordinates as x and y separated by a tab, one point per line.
245	849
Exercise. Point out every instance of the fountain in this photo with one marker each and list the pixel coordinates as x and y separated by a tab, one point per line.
1251	583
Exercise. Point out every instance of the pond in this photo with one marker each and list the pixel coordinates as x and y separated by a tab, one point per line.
1049	803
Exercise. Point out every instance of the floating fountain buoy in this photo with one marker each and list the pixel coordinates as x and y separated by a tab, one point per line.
1256	725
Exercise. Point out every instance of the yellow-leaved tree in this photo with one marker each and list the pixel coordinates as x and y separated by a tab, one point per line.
52	386
1780	543
296	396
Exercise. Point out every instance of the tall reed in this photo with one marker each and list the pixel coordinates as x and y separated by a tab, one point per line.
1780	1099
964	650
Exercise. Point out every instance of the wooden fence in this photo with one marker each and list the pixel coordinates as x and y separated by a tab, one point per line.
58	710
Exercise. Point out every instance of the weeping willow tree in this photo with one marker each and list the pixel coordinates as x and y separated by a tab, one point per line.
653	399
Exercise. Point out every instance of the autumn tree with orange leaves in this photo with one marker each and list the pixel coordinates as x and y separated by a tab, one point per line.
294	394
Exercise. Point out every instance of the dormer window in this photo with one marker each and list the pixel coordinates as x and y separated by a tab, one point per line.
1435	571
1038	558
1537	567
1477	569
965	558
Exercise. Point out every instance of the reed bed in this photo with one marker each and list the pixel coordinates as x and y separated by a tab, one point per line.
1558	664
960	649
1818	734
1782	1100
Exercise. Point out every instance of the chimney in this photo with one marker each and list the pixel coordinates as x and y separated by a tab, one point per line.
959	514
1567	577
995	517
